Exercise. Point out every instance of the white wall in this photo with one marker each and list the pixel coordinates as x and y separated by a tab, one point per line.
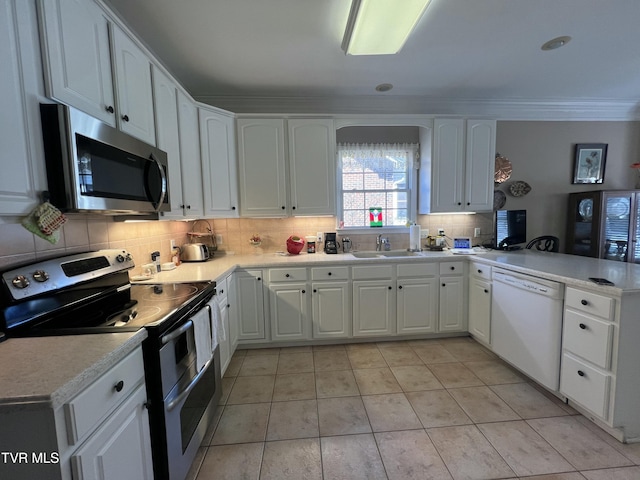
542	154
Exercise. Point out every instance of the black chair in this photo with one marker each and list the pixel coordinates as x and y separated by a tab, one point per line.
545	243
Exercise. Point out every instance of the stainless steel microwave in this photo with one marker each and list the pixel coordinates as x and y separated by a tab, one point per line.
94	168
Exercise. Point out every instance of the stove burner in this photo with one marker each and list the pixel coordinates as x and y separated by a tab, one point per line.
169	292
139	313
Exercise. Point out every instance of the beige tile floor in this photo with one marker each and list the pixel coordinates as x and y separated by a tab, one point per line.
427	409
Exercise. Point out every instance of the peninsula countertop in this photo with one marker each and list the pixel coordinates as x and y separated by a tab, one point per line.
46	372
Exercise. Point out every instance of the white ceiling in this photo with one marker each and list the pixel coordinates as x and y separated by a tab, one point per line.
252	55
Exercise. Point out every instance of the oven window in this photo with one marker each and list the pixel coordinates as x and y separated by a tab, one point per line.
180	348
196	404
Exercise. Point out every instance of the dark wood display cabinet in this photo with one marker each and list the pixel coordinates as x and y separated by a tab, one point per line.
604	224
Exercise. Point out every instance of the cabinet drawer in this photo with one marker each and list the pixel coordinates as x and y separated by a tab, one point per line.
330	273
480	270
588	337
417	269
589	302
92	404
287	275
451	268
373	272
584	384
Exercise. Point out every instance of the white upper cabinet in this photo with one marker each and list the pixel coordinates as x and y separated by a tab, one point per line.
82	66
462	165
190	163
21	158
261	166
77	57
312	166
480	165
133	81
268	158
165	97
219	167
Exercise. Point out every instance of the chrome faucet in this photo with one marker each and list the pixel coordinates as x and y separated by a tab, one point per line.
378	243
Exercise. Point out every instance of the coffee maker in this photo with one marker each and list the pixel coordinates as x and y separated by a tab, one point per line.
330	243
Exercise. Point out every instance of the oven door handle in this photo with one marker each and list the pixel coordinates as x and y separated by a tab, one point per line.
175	401
176	333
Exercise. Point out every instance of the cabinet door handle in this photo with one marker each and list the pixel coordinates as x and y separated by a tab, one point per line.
582	326
444	284
329	273
287	275
468	203
486	291
228	305
304	291
283	207
459	203
125	118
221	291
109	109
315	291
293	208
258	279
389	287
453	268
581	373
399	287
119	386
479	271
584	302
233	208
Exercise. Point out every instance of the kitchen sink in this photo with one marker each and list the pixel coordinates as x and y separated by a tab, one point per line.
386	254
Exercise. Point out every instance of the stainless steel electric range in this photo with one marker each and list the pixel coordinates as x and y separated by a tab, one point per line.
90	293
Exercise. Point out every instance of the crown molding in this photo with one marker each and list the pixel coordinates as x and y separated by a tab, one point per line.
516	109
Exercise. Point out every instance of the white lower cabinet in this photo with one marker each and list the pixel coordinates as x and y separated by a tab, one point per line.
480	302
101	432
120	447
331	315
417	298
289	304
251	308
289	308
587	344
330	302
452	298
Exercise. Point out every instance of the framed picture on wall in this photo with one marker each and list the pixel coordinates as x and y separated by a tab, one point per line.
589	162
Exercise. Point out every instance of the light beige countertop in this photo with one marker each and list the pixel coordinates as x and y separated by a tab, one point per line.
569	269
48	371
51	370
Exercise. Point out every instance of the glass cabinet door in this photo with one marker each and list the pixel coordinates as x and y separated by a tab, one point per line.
634	248
617	223
583	224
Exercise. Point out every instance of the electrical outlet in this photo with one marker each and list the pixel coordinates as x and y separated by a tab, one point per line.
173	243
219	239
424	233
441	231
476	232
319	238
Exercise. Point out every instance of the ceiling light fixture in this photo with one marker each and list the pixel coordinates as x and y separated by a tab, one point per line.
380	27
556	43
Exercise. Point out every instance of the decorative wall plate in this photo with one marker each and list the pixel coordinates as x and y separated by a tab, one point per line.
503	169
499	199
519	188
585	209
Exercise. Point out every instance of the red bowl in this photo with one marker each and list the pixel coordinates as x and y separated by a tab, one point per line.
294	247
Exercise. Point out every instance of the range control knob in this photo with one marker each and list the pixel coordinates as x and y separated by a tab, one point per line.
40	276
119	259
20	281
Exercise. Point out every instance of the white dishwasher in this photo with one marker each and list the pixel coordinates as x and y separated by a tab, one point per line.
526	324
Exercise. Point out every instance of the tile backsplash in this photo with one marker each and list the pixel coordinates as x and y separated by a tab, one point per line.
83	232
